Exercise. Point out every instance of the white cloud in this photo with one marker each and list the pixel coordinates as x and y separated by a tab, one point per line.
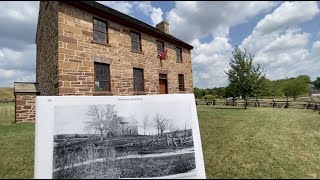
288	14
280	45
17	65
191	21
154	13
25	11
122	6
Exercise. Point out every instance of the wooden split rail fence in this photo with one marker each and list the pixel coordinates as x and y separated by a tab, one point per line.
313	103
167	141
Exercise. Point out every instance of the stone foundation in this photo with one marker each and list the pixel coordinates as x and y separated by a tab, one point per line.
25	107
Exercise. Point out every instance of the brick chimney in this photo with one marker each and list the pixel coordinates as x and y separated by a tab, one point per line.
163	26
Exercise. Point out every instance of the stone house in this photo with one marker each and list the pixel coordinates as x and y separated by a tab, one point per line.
124	126
86	48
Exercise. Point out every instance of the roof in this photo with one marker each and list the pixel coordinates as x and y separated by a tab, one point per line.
125	20
26	87
123	119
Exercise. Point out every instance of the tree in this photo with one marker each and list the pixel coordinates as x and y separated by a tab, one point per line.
161	123
209	97
295	86
197	93
244	76
101	118
316	83
186	125
145	123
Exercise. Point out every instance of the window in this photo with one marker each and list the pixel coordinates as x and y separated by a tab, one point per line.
179	55
100	33
135	42
102	77
162	76
160	47
181	82
138	79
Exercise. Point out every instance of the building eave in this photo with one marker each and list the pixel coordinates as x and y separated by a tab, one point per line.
125	20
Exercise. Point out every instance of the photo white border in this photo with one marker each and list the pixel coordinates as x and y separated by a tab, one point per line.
45	124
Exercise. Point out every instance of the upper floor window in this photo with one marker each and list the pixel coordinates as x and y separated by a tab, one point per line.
100	31
135	42
138	79
102	76
160	47
179	54
181	82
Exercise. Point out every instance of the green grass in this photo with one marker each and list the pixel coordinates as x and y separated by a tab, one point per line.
17	150
237	143
6	93
260	142
6	113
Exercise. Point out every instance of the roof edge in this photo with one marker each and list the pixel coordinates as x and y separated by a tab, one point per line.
126	20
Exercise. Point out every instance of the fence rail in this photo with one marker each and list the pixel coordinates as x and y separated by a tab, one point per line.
6	100
312	104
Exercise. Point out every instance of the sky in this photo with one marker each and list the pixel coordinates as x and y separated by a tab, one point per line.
177	113
283	36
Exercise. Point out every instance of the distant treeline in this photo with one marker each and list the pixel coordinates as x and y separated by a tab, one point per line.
291	87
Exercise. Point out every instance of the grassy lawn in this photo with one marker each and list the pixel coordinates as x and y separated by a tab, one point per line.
237	143
6	113
6	93
260	142
17	151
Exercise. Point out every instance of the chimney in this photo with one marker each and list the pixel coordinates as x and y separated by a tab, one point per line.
163	26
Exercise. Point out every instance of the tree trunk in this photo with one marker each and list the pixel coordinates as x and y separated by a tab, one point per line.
101	136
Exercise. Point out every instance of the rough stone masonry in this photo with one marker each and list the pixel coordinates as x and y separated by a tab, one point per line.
66	53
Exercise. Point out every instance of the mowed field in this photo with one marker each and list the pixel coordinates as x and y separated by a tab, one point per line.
237	143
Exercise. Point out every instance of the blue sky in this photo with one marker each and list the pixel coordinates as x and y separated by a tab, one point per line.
283	36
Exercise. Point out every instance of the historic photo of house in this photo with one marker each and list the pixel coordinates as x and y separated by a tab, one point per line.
124	140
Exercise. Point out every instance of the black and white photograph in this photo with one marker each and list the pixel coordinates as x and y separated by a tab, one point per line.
123	140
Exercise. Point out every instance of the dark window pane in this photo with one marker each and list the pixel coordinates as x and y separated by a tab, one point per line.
181	82
178	53
162	76
160	47
135	42
99	31
138	79
102	77
135	46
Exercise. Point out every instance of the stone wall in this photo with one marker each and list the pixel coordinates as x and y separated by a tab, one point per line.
25	107
47	48
77	54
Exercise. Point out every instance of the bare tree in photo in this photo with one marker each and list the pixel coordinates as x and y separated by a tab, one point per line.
161	123
145	123
157	120
172	127
101	117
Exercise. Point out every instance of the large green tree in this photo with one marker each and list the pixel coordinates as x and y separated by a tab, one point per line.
244	75
316	83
